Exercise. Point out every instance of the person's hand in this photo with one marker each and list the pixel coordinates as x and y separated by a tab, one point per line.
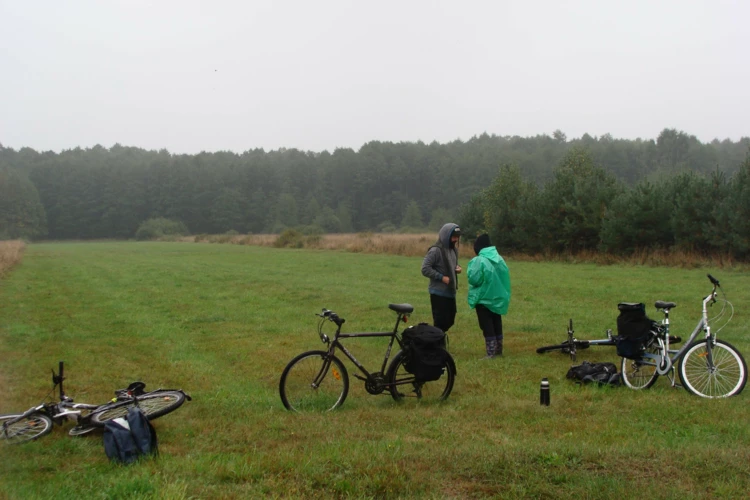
446	280
458	269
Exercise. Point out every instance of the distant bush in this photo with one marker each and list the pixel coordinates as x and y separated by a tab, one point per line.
290	238
386	227
159	227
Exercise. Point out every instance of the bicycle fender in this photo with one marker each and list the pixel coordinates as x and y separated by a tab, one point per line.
452	363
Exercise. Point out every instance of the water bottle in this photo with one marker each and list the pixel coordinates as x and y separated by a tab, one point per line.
544	392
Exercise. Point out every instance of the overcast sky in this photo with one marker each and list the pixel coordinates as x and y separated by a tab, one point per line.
316	75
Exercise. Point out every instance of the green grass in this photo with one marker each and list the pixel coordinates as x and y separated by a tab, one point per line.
222	321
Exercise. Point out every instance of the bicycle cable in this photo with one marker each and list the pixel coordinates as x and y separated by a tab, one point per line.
724	302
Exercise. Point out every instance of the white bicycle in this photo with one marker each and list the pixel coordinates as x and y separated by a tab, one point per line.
709	367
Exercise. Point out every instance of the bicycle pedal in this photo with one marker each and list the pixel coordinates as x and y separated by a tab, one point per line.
674	340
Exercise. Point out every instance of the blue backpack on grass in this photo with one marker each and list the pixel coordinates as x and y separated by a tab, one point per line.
130	438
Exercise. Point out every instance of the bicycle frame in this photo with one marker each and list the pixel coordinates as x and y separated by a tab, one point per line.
335	343
664	361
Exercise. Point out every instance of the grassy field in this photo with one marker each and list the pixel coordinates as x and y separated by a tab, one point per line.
222	321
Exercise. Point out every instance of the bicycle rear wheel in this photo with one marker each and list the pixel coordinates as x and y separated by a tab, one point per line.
153	404
314	381
28	428
405	386
640	373
727	377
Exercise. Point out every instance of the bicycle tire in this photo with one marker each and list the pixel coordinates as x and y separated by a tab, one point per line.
640	374
580	344
438	390
726	379
297	386
29	428
154	405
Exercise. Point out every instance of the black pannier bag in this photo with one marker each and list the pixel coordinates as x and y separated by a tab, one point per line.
601	373
424	347
633	327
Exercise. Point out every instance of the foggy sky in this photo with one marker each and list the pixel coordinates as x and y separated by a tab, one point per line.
316	75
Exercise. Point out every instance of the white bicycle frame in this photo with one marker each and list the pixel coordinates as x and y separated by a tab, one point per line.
663	361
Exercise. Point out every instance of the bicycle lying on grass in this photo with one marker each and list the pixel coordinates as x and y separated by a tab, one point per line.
572	344
37	421
709	367
318	380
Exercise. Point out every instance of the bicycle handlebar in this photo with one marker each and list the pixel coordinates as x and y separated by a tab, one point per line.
713	280
331	316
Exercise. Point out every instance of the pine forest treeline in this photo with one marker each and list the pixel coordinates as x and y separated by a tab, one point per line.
534	194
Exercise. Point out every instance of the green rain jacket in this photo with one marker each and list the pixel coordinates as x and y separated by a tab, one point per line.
489	281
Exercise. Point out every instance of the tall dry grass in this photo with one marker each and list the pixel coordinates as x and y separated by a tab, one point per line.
410	245
414	245
11	254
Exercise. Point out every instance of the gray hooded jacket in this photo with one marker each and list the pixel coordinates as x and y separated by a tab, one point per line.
441	260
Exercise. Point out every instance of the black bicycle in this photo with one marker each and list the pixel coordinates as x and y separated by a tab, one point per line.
37	421
319	381
572	345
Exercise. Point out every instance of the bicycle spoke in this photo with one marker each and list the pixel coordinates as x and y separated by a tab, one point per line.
726	378
26	429
310	384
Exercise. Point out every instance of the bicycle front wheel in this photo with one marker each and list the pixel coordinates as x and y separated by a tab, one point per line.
153	404
640	373
314	381
556	347
405	386
29	428
725	377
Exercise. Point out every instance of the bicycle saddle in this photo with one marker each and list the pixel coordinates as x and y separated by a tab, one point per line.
660	304
401	308
136	389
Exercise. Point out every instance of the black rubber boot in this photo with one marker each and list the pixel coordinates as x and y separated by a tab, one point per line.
499	346
491	346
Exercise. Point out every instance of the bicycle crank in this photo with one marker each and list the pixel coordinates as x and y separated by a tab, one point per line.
375	384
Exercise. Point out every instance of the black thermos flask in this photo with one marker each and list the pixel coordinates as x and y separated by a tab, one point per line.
544	392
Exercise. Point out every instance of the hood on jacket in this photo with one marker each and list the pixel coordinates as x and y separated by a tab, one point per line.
490	253
445	233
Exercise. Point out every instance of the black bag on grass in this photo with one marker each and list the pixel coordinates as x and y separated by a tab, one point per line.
601	373
425	351
633	329
127	439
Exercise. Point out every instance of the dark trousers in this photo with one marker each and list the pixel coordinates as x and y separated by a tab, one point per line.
443	311
490	323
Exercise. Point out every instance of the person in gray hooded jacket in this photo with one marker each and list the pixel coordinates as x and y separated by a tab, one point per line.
440	265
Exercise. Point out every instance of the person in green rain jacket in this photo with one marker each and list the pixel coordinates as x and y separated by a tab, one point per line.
489	293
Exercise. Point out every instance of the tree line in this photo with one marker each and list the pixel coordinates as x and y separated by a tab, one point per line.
110	192
586	208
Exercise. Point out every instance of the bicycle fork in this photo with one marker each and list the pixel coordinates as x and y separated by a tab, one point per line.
321	374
